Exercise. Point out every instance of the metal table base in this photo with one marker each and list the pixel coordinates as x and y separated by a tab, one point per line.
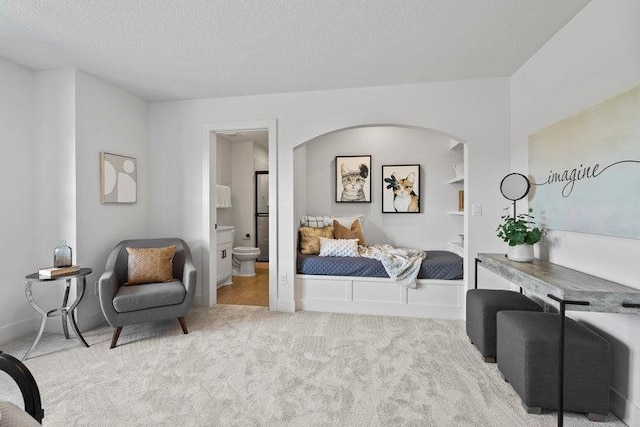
66	311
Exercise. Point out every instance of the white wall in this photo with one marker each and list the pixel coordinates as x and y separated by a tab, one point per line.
594	57
17	206
242	191
223	176
300	195
107	119
474	110
58	122
432	228
55	157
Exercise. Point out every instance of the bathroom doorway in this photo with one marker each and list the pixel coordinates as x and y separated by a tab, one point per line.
242	165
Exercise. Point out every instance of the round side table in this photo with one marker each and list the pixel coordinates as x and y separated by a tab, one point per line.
65	310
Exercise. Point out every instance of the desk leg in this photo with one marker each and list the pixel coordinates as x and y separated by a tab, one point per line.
64	312
43	321
72	309
563	304
561	367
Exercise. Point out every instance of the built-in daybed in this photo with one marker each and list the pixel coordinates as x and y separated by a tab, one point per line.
362	285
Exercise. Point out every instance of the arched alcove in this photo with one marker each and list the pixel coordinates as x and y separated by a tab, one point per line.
388	144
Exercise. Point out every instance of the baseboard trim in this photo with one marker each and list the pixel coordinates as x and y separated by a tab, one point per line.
92	321
198	301
18	329
287	306
624	409
382	309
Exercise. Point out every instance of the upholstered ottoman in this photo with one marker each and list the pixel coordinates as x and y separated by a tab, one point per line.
482	306
528	359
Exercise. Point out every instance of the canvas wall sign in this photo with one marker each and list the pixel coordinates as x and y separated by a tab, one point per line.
585	170
118	178
401	189
353	179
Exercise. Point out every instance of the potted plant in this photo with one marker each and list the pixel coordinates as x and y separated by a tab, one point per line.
520	233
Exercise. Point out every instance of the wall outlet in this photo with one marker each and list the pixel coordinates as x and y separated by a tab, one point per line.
476	209
283	278
96	289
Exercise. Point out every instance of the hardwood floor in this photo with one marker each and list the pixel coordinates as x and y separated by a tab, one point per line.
248	290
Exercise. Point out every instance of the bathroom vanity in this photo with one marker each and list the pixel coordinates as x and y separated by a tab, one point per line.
223	256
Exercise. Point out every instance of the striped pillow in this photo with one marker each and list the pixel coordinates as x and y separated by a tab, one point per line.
315	221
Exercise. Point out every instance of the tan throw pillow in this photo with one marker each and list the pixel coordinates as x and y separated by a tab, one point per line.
150	265
342	232
310	238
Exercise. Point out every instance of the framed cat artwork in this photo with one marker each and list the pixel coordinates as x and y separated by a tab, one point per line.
353	179
401	189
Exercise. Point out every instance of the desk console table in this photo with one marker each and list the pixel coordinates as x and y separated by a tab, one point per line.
570	289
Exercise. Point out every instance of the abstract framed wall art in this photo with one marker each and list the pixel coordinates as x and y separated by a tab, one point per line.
585	170
353	179
401	189
118	178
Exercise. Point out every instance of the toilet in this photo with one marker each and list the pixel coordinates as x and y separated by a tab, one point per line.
244	260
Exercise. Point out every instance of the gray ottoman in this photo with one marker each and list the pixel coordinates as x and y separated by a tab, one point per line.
482	306
528	360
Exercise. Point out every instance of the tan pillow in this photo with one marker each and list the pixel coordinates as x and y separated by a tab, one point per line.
150	265
342	232
310	238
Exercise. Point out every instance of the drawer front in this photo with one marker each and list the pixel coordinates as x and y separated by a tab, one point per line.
372	291
224	261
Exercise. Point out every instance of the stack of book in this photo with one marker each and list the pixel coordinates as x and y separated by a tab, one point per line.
51	272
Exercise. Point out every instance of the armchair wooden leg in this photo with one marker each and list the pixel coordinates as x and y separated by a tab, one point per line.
116	335
183	323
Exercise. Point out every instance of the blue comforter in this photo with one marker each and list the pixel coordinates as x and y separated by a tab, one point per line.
441	265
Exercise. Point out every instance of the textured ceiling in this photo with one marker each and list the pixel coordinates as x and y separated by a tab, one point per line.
168	49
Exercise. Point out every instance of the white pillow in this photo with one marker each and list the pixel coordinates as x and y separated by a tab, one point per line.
338	247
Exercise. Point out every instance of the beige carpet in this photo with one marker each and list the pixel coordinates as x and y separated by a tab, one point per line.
246	366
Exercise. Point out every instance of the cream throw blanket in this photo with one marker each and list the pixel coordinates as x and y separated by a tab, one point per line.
401	264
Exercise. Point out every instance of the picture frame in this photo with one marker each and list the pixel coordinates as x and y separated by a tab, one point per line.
401	189
118	178
353	179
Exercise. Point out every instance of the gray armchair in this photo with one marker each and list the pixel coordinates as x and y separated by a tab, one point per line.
127	305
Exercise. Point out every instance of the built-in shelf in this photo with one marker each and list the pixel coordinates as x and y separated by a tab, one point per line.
457	248
459	180
461	213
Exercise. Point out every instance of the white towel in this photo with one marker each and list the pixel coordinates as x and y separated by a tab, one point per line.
224	196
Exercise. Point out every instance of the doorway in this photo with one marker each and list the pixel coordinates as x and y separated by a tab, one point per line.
242	160
245	235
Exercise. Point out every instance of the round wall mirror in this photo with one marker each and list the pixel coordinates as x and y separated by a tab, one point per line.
515	186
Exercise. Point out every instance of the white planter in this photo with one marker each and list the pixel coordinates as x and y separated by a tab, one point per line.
520	253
